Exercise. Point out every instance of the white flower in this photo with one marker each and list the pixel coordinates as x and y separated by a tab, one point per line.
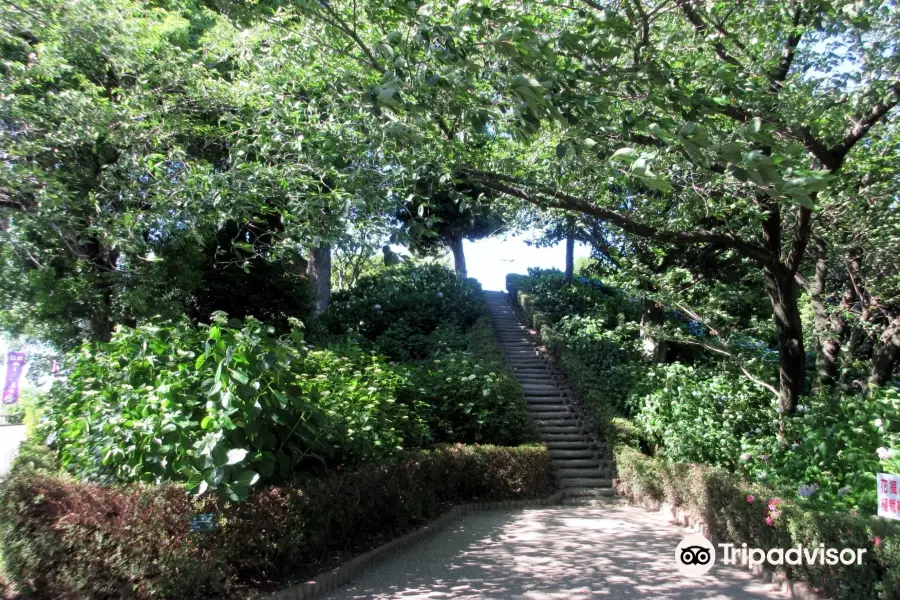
843	491
878	422
884	453
794	446
758	431
377	307
440	294
372	390
746	457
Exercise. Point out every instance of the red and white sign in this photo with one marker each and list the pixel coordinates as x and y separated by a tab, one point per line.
889	496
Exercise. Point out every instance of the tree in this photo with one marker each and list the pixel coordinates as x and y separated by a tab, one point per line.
722	143
442	213
131	130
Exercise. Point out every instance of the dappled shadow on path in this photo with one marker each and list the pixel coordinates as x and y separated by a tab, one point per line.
554	553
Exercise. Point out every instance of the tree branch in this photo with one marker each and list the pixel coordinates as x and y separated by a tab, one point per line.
801	238
547	197
863	123
702	29
337	21
788	50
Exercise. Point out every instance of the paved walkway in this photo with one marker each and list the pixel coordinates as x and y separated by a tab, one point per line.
564	553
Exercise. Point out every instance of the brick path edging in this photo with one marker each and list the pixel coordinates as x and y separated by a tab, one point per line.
330	580
798	590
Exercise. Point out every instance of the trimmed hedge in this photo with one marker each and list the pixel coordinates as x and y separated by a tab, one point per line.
721	500
64	539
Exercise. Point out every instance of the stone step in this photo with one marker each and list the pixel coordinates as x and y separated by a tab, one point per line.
572	428
584	482
550	413
543	391
575	445
536	379
593	501
576	463
569	420
585	473
556	400
563	437
607	491
571	453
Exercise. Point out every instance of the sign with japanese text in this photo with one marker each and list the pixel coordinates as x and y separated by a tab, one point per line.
889	496
15	363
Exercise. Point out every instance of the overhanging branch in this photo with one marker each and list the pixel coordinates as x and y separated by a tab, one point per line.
546	197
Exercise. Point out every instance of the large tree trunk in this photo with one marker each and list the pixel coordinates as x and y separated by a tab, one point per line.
886	357
829	327
319	272
654	348
782	291
459	257
570	251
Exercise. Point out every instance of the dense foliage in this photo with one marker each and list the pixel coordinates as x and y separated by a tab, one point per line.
236	403
407	312
63	539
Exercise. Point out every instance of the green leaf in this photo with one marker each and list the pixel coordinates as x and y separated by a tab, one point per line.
625	154
236	455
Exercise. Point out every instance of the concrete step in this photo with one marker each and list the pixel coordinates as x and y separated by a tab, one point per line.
571	429
607	491
567	421
562	437
567	483
545	401
571	453
576	463
544	391
585	473
594	501
573	445
549	414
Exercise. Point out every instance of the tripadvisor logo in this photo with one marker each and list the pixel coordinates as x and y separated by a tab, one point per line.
695	555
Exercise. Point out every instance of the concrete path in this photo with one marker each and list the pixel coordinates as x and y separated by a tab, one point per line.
564	553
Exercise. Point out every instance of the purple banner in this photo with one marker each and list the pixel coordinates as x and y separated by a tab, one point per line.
15	362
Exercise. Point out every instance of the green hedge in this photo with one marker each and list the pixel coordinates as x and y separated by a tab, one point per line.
722	501
64	539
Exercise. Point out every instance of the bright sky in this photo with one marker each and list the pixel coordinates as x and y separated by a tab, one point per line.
490	259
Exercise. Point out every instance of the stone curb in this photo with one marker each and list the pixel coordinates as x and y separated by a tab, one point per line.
333	579
799	590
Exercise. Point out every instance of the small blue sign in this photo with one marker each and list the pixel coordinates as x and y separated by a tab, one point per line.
203	523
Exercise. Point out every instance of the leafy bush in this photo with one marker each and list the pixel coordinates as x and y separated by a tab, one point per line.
472	401
222	407
63	539
407	312
701	415
837	444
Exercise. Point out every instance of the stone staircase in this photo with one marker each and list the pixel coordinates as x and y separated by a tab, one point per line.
583	472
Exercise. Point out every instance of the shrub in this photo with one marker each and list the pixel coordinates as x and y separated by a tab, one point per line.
222	407
833	442
472	401
702	415
407	311
68	540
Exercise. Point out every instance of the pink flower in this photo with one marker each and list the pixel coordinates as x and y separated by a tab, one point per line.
769	521
750	498
877	541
